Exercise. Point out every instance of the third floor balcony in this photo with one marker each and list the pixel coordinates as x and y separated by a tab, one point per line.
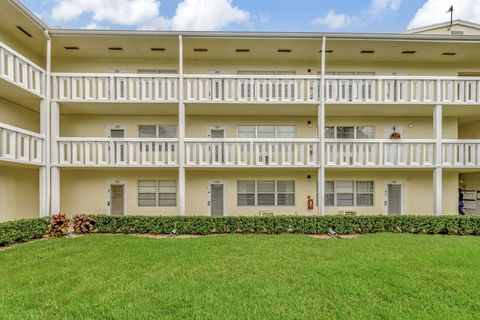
265	89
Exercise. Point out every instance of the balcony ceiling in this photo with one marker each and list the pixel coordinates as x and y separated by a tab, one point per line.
10	18
97	46
390	51
259	49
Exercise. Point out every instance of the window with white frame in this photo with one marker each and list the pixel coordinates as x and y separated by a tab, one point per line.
348	193
285	193
252	131
265	193
157	131
246	193
349	132
157	193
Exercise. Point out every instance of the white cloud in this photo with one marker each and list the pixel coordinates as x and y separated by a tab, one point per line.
435	11
379	7
145	14
376	10
334	20
124	12
207	15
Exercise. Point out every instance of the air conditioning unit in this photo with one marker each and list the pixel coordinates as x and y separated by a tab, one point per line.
266	213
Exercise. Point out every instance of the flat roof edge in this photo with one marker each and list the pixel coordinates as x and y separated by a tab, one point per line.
233	34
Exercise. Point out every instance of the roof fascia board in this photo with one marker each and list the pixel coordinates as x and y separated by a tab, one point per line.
273	35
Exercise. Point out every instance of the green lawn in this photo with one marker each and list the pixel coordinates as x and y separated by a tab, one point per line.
378	276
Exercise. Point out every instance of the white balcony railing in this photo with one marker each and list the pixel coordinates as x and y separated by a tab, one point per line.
117	152
115	87
402	89
244	88
363	153
20	145
251	152
374	89
461	153
20	71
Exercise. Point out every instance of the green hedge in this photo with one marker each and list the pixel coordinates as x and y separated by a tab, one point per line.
457	225
22	230
25	230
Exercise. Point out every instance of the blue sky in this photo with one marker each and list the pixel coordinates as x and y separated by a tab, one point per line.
255	15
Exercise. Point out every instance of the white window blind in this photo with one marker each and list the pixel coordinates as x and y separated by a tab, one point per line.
251	131
157	193
286	193
349	193
265	193
351	132
246	193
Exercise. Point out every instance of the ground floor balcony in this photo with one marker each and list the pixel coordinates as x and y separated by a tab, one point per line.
21	146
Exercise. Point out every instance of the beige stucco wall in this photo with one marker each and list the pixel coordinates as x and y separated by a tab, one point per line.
86	191
417	186
469	131
197	126
103	65
414	127
96	125
19	116
19	193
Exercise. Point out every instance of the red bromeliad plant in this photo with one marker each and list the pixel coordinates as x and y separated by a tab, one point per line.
83	224
58	226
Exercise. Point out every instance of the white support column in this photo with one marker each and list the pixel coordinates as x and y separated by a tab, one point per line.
43	182
321	136
55	170
45	129
55	187
181	131
438	171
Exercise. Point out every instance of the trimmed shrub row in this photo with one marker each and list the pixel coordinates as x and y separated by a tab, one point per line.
25	230
455	225
22	230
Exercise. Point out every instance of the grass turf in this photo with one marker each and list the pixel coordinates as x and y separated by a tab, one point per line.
378	276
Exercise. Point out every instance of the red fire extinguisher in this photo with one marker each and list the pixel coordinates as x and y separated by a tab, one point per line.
309	203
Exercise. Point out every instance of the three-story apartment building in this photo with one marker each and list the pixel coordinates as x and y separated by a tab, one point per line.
227	123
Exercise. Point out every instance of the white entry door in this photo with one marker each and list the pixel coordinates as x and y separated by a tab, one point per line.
217	86
217	147
117	199
394	199
217	199
118	150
